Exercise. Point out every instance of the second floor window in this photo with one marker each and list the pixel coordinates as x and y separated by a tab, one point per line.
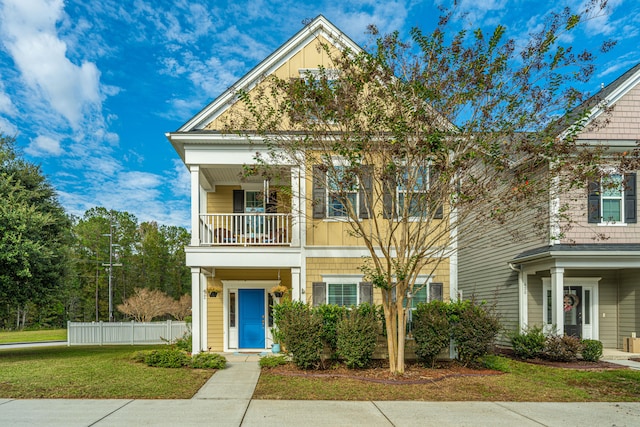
413	191
613	200
342	192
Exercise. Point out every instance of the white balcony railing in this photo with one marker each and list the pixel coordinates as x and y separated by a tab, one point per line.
245	229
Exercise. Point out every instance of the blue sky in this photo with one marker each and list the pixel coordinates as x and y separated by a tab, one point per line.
90	87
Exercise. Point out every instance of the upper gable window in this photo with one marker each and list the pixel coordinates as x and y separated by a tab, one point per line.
613	200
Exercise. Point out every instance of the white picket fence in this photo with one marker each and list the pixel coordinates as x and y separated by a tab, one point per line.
124	333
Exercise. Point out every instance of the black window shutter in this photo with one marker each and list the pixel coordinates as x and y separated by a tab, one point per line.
366	191
593	203
435	292
366	293
435	189
319	293
388	190
630	199
238	201
319	192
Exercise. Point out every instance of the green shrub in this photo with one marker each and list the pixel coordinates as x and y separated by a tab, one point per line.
273	361
140	356
431	330
208	361
331	315
167	358
591	350
357	333
185	342
301	332
474	328
562	348
528	344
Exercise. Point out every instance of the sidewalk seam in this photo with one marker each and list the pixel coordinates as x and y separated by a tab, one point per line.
382	412
110	413
518	413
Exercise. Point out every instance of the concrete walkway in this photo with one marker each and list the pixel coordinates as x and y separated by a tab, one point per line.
225	400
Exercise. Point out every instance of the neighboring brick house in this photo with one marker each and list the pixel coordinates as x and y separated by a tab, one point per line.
249	235
587	282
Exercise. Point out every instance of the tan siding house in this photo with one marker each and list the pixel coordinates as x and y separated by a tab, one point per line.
586	280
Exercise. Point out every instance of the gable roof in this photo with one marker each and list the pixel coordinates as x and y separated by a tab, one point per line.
320	26
598	104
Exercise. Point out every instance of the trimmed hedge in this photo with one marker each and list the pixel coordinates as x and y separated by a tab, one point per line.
431	330
357	333
529	344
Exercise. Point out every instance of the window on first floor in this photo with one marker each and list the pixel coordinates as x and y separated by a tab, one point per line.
342	291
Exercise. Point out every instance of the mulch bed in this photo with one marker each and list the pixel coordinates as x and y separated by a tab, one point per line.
379	372
415	373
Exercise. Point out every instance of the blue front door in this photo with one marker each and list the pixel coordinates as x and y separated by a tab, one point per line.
251	318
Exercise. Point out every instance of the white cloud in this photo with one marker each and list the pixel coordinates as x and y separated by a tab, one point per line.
6	105
29	34
44	146
7	127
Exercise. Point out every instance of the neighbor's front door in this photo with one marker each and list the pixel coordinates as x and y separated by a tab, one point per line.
572	307
251	325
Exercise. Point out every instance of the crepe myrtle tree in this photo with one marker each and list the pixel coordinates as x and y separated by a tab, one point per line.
415	142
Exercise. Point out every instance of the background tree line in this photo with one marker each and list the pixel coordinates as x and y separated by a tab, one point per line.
54	266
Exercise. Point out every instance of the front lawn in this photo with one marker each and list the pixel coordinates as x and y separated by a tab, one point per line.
522	382
92	373
33	336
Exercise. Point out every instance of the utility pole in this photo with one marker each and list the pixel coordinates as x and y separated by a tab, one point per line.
110	269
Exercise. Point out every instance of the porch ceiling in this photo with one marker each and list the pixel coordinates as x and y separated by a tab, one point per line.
231	175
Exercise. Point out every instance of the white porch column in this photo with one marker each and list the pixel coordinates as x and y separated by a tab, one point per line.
557	297
295	284
297	205
196	310
522	298
195	205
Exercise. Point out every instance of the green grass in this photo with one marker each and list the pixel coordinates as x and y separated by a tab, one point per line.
33	336
520	382
92	372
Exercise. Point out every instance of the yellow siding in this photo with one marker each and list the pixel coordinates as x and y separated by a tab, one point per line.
214	319
316	267
215	325
310	56
222	200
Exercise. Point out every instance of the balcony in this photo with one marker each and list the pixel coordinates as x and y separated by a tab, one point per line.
246	229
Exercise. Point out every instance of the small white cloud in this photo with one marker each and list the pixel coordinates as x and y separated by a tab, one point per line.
44	146
6	105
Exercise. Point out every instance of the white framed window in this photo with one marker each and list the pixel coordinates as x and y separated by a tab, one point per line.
612	199
342	192
343	290
342	294
413	189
